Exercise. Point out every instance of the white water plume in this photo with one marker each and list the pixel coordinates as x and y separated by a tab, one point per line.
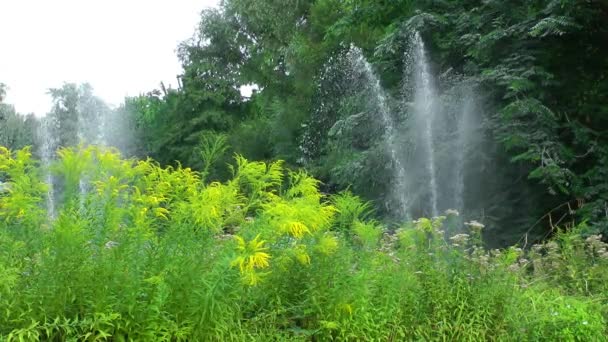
426	110
394	152
47	150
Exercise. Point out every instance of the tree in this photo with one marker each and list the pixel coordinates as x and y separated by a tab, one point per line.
79	115
16	131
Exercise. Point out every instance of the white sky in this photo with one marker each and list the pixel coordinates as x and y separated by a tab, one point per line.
121	47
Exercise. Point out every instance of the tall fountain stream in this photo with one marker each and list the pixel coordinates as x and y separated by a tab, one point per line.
428	136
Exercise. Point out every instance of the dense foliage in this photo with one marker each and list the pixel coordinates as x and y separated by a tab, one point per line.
153	253
186	238
539	68
538	65
16	131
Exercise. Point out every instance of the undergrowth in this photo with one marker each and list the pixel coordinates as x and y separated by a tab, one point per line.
139	252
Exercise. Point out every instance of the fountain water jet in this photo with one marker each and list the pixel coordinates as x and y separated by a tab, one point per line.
465	131
424	138
47	148
92	116
426	109
394	152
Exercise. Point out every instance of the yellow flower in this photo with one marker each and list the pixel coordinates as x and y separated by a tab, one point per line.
296	229
252	255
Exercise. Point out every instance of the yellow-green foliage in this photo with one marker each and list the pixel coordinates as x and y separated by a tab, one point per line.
140	252
24	190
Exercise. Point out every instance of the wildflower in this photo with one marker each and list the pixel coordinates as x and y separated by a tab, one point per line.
388	243
595	244
296	229
496	253
253	254
518	250
592	239
459	239
475	226
552	246
453	212
483	260
513	267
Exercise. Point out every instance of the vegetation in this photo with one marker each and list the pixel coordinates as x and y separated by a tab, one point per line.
538	66
184	236
16	131
152	253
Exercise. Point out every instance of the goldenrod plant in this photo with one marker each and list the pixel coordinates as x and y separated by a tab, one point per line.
138	252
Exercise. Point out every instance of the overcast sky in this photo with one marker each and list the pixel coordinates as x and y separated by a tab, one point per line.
121	47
